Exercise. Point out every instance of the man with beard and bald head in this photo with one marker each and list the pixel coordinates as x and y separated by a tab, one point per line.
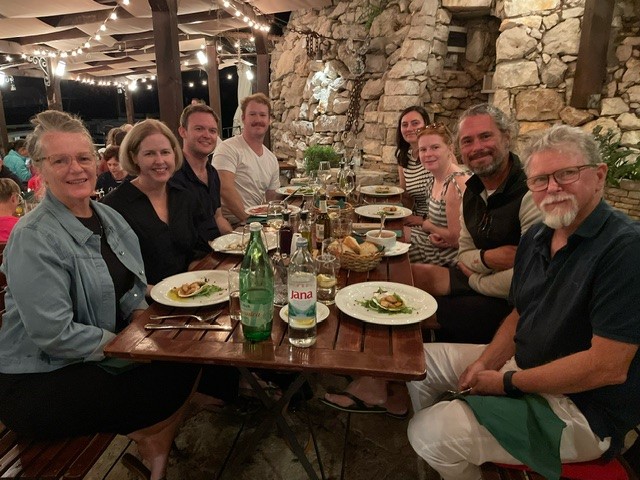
496	211
571	338
249	172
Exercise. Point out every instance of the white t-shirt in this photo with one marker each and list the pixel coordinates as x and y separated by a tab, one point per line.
254	174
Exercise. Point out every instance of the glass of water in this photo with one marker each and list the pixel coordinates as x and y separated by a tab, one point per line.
326	278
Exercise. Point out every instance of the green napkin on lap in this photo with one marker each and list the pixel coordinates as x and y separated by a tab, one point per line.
526	427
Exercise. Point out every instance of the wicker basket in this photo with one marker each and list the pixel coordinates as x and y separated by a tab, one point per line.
360	263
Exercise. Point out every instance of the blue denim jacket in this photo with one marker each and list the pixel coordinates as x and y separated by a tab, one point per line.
60	302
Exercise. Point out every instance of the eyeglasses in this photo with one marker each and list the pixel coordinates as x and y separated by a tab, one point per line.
485	224
564	176
62	162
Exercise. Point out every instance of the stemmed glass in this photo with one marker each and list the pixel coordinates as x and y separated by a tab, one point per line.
347	182
324	172
274	215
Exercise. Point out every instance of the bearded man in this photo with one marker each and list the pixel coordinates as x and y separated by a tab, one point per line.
572	337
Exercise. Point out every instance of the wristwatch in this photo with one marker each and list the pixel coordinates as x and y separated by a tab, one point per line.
509	388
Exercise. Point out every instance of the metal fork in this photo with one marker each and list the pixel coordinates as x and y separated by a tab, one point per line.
211	318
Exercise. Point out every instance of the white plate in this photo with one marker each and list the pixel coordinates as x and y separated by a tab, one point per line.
221	244
372	190
160	291
373	211
348	301
322	312
398	249
261	210
295	190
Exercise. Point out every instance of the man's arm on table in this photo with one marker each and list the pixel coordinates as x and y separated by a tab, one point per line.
229	195
271	195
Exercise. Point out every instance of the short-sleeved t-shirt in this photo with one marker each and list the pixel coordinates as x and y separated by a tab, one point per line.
589	287
254	174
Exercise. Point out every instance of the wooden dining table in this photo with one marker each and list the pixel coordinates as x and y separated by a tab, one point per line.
344	346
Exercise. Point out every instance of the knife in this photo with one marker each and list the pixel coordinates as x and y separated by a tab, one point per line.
188	326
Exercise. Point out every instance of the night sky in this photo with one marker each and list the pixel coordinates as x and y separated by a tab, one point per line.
103	108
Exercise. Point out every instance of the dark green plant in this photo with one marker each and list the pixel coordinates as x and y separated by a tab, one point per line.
315	154
616	156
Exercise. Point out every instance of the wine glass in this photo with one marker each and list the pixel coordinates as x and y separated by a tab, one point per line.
274	214
348	183
324	172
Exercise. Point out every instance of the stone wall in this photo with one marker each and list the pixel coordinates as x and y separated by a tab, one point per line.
409	56
625	197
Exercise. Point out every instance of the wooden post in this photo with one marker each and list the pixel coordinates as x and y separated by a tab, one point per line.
128	105
214	80
262	72
164	14
591	67
54	96
4	134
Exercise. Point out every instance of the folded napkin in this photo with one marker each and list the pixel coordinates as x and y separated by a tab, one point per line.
526	427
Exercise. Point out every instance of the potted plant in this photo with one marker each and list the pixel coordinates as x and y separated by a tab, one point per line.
616	156
622	189
315	154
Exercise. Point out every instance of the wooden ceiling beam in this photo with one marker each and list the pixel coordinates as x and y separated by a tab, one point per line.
51	37
73	19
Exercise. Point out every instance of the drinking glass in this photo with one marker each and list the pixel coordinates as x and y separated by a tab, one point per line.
274	214
341	227
324	172
326	278
234	293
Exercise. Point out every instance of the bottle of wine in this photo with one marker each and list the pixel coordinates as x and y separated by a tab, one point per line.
302	296
304	229
285	234
323	223
256	288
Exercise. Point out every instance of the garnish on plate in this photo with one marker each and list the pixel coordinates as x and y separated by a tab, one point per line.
199	288
383	301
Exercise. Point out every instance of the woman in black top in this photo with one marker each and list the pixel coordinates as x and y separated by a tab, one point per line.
165	217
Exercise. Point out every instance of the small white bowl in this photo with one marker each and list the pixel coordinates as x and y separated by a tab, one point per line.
387	238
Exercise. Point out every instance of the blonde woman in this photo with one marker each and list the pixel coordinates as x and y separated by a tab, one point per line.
441	223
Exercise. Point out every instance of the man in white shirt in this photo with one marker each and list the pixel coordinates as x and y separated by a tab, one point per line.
249	172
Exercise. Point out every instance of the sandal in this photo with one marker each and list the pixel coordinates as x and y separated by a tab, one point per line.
358	405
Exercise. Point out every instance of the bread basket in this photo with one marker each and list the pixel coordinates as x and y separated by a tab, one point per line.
360	263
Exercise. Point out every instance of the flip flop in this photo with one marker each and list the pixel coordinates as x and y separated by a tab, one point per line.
358	405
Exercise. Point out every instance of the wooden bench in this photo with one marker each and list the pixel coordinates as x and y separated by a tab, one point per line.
69	458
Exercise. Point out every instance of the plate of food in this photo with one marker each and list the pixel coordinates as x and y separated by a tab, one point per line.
386	303
261	210
233	244
381	190
295	190
192	289
376	211
322	312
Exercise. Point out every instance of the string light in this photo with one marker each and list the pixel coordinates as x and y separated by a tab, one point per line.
240	13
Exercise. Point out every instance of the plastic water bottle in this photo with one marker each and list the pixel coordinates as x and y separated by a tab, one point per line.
256	288
301	293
